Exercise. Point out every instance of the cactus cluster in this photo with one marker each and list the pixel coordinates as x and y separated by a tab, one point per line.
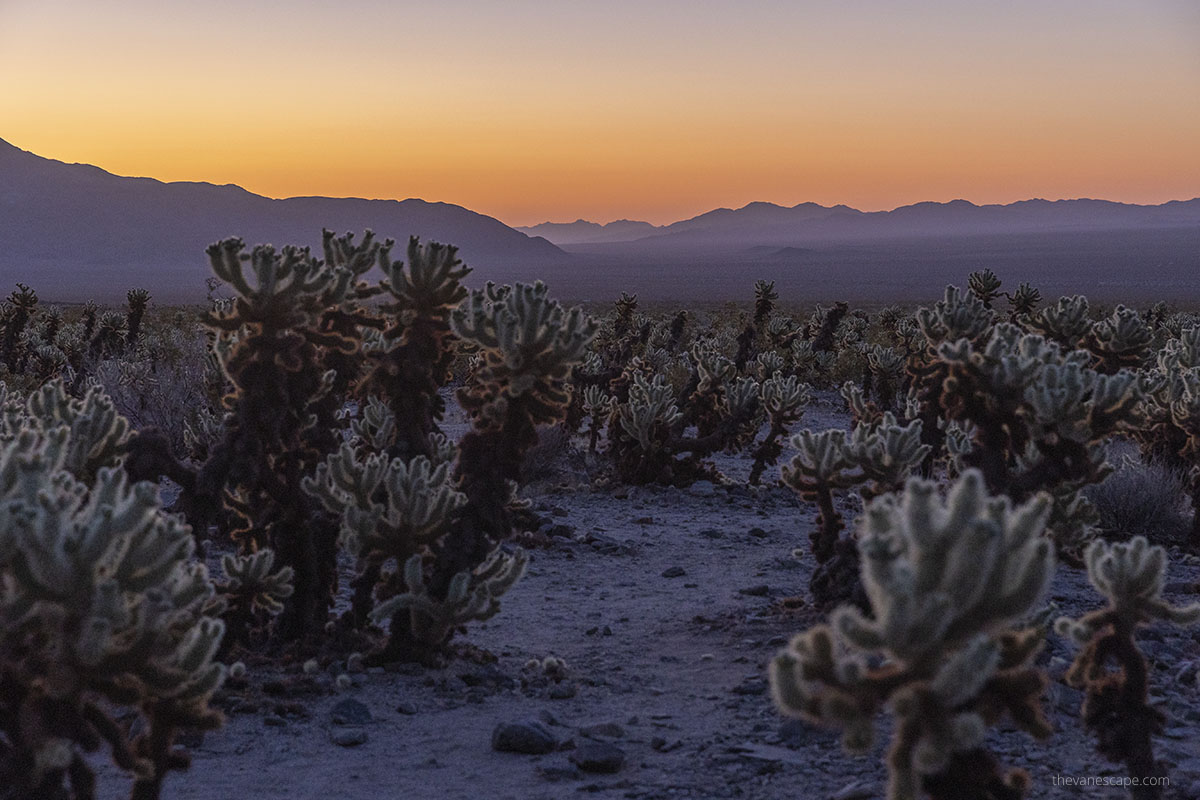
103	611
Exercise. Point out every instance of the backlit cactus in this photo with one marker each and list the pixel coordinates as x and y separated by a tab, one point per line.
946	579
102	609
1110	668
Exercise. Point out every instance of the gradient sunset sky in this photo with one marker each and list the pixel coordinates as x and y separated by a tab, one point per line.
653	110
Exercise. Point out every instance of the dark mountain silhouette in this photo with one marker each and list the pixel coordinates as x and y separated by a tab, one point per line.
583	232
74	231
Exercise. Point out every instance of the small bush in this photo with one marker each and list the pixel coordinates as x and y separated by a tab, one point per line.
1142	498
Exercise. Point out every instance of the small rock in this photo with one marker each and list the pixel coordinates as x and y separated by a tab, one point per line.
605	730
674	572
750	687
643	521
711	533
702	489
407	709
663	746
274	721
348	737
758	533
555	774
350	712
563	691
858	790
528	736
598	757
759	590
794	733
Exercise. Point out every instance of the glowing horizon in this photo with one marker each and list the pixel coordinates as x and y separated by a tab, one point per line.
653	111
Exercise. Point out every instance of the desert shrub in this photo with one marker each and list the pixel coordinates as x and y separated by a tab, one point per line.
1144	499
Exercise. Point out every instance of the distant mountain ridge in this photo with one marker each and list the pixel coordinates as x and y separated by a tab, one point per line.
98	234
583	232
768	224
76	232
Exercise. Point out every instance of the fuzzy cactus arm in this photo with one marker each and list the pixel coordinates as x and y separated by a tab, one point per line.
949	664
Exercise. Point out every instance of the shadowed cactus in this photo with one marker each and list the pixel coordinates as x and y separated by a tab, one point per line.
137	300
1122	340
946	579
1116	706
1023	301
873	459
251	593
102	610
1038	416
411	358
783	400
984	285
1066	322
1170	429
390	510
98	433
472	596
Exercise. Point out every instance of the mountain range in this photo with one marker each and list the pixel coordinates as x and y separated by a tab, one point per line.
74	231
77	232
763	224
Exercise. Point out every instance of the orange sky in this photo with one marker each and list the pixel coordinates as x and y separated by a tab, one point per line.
531	111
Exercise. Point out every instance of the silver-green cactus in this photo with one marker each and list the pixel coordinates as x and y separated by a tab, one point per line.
1110	668
102	608
946	580
472	596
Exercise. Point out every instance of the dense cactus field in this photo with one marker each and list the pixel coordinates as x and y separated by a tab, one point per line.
364	528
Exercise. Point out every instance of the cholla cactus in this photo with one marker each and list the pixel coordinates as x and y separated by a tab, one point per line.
956	316
1040	416
783	400
1023	301
98	433
764	302
471	596
1120	340
767	364
251	591
1066	322
138	300
411	360
529	344
887	371
1116	707
15	316
1170	428
984	285
647	432
390	510
271	341
946	579
102	610
599	406
874	459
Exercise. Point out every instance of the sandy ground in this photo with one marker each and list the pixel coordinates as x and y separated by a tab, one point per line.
671	670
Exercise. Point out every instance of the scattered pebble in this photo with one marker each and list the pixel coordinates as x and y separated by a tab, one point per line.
530	737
